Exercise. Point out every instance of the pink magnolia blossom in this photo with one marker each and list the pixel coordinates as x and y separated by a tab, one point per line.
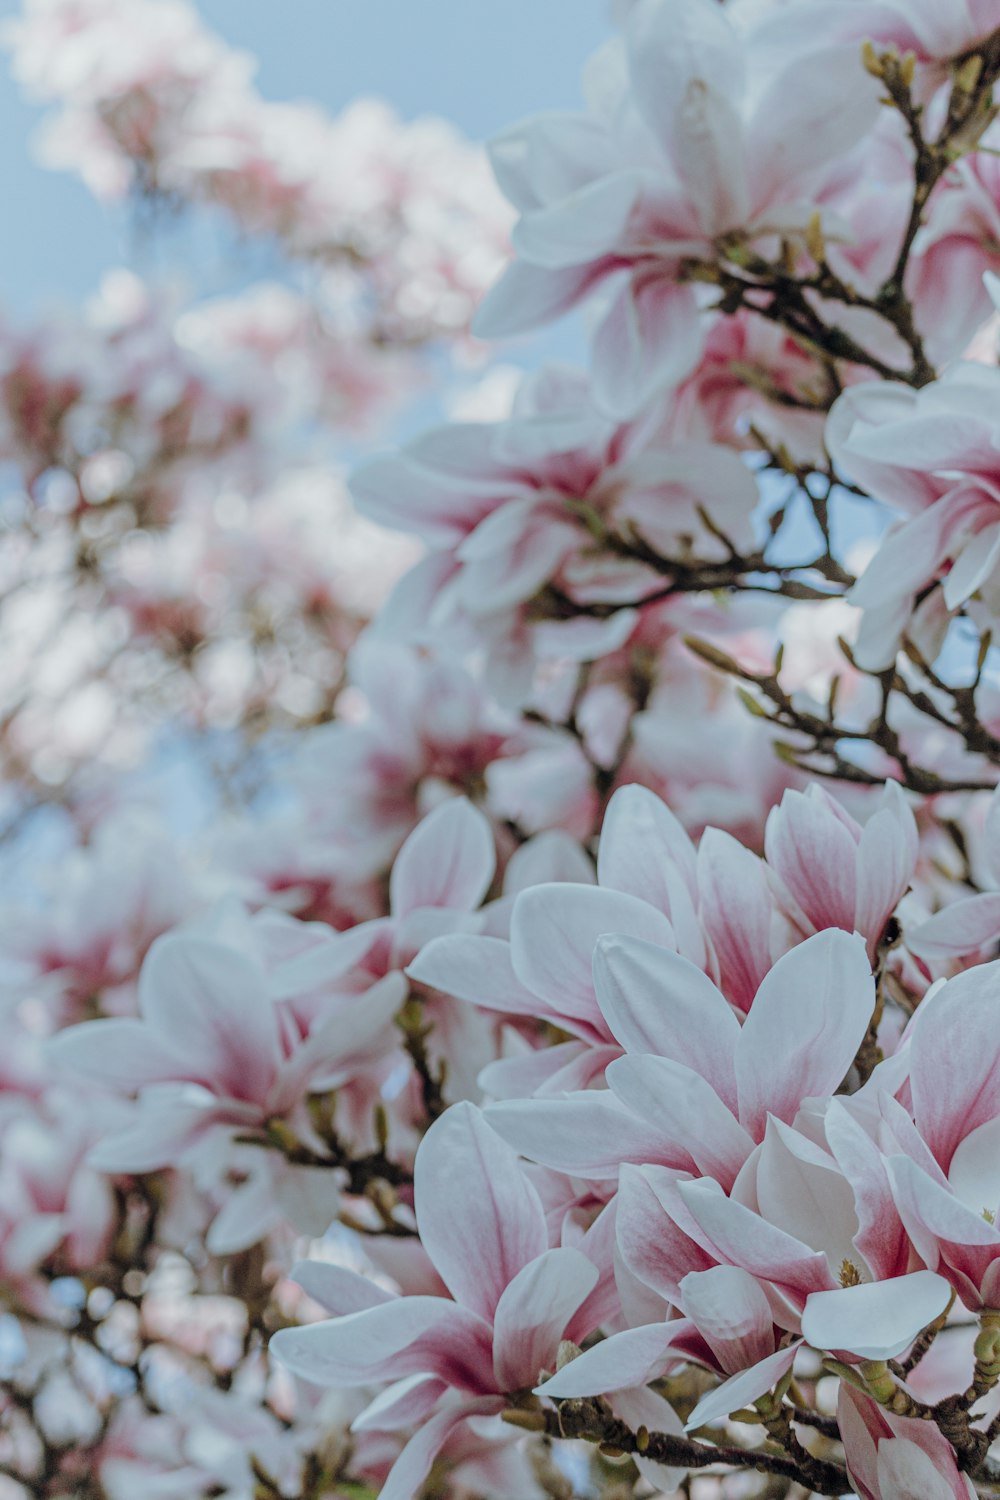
930	455
836	873
727	1327
737	1267
956	246
896	1458
114	896
687	1058
944	1182
515	507
420	728
651	885
57	1209
449	1358
689	138
862	1319
237	1024
936	34
746	367
971	925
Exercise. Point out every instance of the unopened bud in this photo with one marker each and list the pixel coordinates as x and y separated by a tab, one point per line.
815	243
787	753
908	68
282	1135
984	650
710	654
747	1415
871	60
530	1421
969	74
751	704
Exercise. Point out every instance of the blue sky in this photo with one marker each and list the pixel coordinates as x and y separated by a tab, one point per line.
479	63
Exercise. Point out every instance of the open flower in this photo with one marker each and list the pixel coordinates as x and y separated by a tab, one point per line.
689	139
695	1089
450	1358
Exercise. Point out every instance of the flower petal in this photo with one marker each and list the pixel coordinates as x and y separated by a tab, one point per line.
480	1218
878	1319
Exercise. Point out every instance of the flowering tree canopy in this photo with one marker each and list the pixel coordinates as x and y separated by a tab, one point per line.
557	1051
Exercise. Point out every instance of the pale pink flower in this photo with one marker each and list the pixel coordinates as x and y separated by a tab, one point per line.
514	508
931	455
727	1327
745	362
112	897
689	138
944	1181
513	1301
937	32
969	926
687	1058
713	905
239	1020
836	873
896	1458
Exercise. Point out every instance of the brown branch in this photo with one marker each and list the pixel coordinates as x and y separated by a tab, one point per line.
591	1421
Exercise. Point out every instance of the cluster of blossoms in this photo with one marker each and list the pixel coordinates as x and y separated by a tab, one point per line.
578	1072
152	102
166	556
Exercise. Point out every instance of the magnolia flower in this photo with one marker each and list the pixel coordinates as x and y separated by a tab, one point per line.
843	1312
652	885
945	1182
835	873
113	896
931	455
752	1275
512	507
696	1089
896	1458
971	925
727	1327
512	1300
937	32
237	1025
689	139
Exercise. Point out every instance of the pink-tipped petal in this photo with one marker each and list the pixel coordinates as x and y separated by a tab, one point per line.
553	933
533	1313
656	1001
804	1028
447	861
480	1218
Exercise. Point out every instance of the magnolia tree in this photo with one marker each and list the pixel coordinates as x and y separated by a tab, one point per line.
571	1067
